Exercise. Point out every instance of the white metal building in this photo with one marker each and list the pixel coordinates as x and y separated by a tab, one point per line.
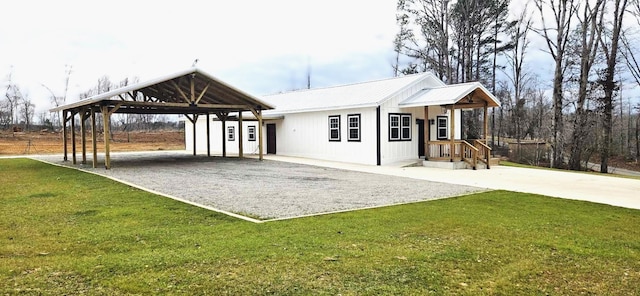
377	122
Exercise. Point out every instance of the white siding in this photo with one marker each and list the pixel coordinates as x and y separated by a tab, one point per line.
215	133
307	135
394	151
434	112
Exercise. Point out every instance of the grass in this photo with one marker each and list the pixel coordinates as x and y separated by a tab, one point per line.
67	232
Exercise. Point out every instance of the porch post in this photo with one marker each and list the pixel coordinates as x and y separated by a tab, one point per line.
427	131
486	123
452	152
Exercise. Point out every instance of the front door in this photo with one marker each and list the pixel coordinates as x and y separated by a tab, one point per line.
271	138
420	137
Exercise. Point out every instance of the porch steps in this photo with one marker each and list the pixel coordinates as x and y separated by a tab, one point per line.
459	165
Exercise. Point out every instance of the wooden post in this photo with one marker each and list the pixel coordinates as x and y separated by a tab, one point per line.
260	134
195	120
224	138
453	133
83	134
427	131
73	138
94	139
105	122
64	134
240	134
486	123
208	137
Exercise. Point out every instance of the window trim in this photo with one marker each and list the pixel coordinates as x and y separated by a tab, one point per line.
401	127
338	139
349	128
251	135
446	127
231	133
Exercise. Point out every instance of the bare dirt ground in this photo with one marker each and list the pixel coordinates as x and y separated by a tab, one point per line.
28	143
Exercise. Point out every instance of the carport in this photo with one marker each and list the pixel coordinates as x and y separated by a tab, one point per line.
191	92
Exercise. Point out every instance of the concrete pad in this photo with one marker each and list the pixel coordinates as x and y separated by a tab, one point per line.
603	189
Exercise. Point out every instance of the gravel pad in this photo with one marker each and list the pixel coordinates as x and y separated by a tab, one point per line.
267	189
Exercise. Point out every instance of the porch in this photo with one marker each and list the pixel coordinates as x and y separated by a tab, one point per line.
444	140
458	154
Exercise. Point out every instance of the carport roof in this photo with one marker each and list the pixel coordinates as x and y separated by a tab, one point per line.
185	92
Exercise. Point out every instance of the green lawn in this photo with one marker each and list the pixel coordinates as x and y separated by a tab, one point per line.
67	232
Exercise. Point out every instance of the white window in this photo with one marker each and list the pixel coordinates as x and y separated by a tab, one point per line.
442	127
353	128
252	132
231	133
399	127
334	128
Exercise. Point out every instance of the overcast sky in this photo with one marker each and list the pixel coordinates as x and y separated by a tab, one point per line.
259	46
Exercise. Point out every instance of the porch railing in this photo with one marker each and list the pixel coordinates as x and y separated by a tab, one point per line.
484	152
460	150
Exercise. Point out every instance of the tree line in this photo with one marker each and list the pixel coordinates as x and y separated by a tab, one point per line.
591	48
17	110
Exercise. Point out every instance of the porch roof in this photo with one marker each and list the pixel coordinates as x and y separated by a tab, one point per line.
464	95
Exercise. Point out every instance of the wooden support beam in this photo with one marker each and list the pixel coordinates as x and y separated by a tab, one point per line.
240	134
202	93
184	96
73	138
486	123
64	134
94	144
106	117
260	134
427	131
258	115
83	135
208	137
195	120
193	90
452	152
224	138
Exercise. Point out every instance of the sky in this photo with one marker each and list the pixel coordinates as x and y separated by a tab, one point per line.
261	47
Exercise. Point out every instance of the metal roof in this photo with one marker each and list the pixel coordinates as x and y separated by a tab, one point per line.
359	95
471	94
189	91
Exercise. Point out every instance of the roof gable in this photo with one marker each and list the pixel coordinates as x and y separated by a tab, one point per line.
189	90
451	95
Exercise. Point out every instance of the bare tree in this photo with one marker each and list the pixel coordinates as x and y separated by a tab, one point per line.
588	32
556	36
609	85
27	110
519	34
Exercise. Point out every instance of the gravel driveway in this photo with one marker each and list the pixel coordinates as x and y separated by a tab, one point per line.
267	189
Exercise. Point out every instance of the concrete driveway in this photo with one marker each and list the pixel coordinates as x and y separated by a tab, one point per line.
603	189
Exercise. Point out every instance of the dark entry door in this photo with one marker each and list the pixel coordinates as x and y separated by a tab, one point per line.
420	137
271	138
